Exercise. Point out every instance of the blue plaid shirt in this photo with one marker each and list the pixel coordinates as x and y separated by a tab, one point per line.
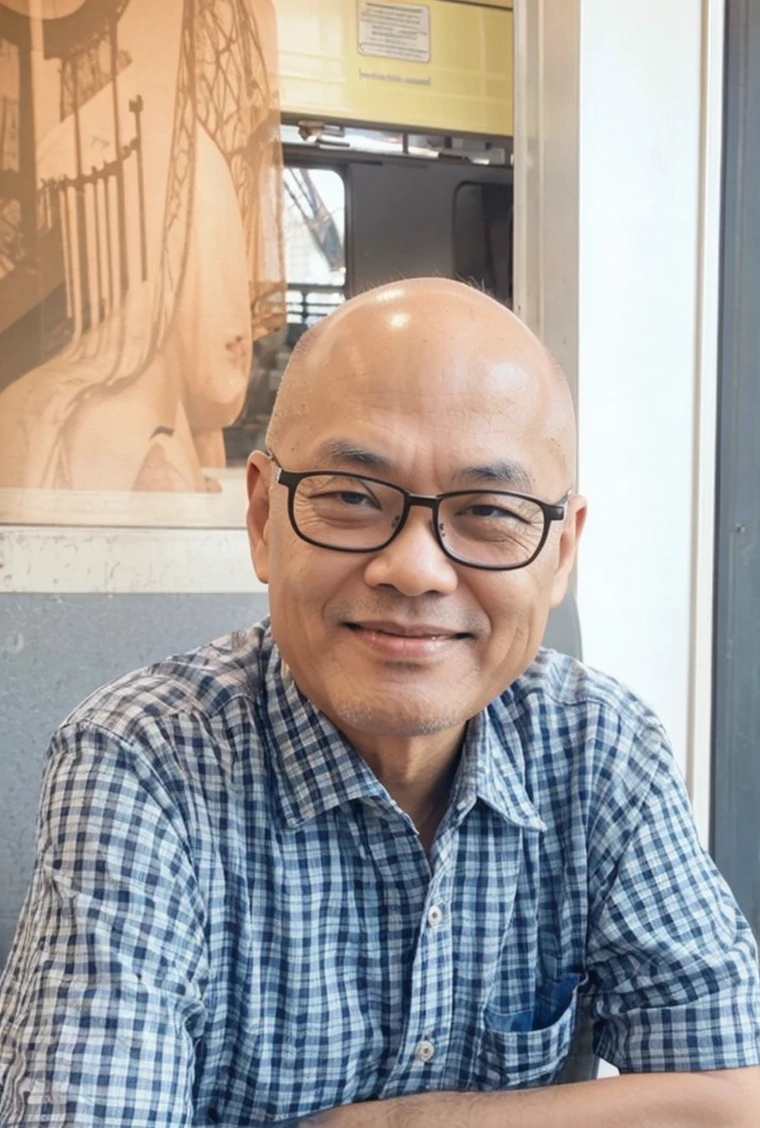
231	922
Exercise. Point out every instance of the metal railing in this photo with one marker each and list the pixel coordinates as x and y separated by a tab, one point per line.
90	211
309	302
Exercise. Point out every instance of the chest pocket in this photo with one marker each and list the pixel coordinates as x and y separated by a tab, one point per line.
529	1048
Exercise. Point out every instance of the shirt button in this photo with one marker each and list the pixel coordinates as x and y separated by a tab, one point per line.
424	1051
435	916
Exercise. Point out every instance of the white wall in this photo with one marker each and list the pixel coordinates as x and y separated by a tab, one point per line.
643	81
637	272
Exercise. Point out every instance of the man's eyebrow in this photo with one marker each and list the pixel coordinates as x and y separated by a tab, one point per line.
343	450
506	472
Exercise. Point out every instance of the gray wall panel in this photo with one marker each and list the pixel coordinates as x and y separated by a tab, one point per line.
54	650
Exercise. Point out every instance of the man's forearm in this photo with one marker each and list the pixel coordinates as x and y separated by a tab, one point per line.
726	1099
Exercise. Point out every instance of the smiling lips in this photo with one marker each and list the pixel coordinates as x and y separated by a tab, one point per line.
410	640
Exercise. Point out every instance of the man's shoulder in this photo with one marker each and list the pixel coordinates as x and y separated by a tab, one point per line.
582	736
196	686
563	682
572	702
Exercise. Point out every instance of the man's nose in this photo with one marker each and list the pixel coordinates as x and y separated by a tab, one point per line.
414	562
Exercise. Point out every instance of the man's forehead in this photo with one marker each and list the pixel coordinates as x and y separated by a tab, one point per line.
478	470
439	355
457	365
431	329
423	379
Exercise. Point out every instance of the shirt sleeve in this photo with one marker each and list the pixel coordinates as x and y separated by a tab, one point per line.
673	975
102	999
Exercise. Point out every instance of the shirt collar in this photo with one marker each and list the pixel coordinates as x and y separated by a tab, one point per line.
317	769
492	770
315	766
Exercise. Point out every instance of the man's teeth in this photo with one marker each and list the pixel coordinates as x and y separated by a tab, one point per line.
405	634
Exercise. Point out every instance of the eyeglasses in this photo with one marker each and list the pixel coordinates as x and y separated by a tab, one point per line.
492	529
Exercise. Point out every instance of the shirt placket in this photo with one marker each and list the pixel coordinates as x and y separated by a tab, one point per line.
421	1059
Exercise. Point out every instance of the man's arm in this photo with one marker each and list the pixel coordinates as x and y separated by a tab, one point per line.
103	994
723	1099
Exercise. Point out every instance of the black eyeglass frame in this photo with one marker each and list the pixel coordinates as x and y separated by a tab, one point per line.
291	479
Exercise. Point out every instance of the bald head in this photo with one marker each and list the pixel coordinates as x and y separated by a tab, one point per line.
429	345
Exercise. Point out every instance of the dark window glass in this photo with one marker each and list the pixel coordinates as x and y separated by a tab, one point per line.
483	238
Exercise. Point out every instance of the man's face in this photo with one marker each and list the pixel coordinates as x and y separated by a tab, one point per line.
405	641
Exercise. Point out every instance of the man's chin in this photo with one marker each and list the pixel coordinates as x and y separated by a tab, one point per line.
395	718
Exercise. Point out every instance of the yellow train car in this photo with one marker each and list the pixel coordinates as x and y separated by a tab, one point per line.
443	66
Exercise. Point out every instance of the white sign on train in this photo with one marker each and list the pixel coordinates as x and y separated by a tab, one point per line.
395	31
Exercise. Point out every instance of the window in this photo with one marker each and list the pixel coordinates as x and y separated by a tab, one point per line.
314	227
483	238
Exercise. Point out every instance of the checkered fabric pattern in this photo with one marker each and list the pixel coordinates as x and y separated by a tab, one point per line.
231	922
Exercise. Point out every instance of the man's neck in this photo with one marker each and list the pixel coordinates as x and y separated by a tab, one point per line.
416	771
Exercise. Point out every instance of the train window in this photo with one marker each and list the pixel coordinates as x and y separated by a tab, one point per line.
483	238
314	229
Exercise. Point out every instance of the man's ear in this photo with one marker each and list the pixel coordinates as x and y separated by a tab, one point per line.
258	479
568	546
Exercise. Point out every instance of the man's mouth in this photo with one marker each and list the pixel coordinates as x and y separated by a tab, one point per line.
427	631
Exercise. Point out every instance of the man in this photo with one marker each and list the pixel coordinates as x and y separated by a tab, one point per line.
372	859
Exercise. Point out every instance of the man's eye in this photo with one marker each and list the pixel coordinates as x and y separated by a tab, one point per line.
352	498
349	497
491	512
